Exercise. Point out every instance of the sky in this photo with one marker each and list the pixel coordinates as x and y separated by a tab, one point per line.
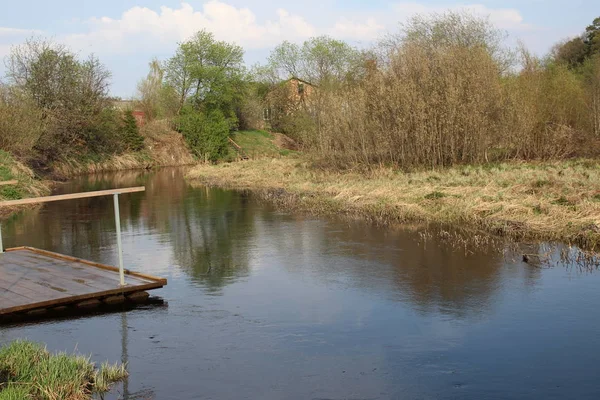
127	34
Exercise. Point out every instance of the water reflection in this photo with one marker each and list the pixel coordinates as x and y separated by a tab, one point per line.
212	235
264	304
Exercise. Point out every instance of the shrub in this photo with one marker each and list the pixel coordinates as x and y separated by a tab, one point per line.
205	134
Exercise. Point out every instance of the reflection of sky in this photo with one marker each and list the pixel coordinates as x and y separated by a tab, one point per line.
302	308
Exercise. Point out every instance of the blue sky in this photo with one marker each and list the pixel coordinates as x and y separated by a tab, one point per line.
126	34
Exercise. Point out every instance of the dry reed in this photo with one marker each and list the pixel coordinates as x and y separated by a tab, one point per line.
545	200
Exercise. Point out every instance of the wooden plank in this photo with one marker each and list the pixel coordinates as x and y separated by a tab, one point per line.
72	196
32	279
33	291
56	267
76	299
91	263
64	276
13	182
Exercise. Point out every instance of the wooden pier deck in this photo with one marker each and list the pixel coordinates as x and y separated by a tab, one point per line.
32	279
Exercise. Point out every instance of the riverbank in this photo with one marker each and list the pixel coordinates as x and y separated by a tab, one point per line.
28	185
521	201
29	371
162	148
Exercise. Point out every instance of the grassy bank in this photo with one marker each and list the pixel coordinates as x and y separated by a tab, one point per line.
163	147
258	144
29	371
548	201
28	185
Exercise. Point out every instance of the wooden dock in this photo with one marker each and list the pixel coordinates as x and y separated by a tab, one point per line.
33	280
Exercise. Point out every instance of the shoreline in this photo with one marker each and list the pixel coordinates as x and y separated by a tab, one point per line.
34	184
521	201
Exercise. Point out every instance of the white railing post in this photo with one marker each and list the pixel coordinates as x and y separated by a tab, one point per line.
1	244
119	244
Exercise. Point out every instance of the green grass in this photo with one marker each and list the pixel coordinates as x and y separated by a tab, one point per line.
258	144
29	371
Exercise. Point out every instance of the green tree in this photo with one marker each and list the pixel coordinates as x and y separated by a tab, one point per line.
69	93
131	133
208	74
150	90
320	60
205	133
592	37
576	51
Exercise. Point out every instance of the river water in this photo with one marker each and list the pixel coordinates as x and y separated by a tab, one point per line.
262	304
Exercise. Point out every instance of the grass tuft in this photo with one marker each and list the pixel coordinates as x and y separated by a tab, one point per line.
435	195
28	370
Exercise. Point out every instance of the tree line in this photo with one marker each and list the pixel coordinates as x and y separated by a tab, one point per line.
54	104
442	91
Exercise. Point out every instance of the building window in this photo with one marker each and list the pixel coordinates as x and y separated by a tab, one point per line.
266	114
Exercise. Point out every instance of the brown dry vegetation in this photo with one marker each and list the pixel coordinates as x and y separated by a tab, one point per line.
446	91
27	186
544	200
163	147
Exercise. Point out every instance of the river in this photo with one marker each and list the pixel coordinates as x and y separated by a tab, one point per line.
262	304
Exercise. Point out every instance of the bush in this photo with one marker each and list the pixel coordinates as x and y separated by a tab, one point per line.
205	134
132	140
20	126
443	93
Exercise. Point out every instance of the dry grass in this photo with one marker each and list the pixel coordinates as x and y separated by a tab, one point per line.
73	167
27	186
549	201
164	147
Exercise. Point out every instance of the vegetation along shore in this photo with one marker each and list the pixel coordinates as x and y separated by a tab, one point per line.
29	371
544	200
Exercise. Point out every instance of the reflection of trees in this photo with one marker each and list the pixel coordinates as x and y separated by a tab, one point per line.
210	233
208	229
433	276
79	227
212	242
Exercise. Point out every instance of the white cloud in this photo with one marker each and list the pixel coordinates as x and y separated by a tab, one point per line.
144	30
141	27
504	18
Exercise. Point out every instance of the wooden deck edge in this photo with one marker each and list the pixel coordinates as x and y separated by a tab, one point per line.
162	281
76	299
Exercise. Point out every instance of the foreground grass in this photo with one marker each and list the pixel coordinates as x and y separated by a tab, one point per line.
29	371
547	201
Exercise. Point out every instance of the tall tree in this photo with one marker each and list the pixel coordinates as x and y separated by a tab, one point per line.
576	51
319	60
71	95
206	73
150	90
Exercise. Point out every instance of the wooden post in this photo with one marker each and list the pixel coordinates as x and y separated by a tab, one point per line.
119	244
